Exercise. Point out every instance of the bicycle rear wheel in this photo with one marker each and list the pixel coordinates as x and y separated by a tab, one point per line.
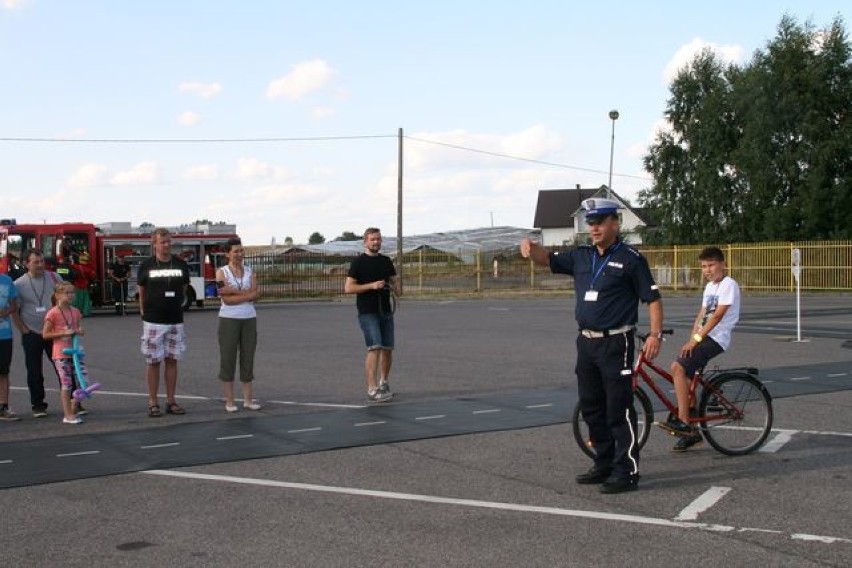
736	413
644	418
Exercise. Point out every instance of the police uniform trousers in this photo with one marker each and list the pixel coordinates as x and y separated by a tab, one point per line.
604	378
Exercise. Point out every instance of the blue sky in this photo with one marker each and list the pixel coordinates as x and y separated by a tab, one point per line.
534	80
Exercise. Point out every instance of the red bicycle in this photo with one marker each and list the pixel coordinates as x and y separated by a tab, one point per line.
734	412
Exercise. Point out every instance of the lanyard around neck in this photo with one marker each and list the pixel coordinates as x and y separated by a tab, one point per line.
596	274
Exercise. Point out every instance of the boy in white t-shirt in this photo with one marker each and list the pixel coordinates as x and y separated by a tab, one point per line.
719	313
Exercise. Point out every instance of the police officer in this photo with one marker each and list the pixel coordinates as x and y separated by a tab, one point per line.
610	278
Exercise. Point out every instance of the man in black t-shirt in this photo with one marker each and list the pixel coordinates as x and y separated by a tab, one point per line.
162	282
118	273
373	277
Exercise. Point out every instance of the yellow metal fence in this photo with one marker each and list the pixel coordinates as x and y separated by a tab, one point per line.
758	267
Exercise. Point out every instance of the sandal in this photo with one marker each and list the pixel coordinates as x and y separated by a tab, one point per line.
154	411
174	408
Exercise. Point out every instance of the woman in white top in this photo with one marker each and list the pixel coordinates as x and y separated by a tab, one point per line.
237	325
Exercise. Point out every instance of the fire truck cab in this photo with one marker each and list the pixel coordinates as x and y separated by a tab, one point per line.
97	250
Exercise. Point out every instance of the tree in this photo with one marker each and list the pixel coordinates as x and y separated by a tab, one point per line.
348	236
691	195
288	241
759	152
316	238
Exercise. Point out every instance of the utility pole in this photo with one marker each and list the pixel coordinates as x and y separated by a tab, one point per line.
399	214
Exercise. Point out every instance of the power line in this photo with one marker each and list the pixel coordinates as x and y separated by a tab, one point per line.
302	139
192	140
522	159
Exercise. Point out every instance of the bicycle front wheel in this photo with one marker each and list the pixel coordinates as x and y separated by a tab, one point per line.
644	418
736	413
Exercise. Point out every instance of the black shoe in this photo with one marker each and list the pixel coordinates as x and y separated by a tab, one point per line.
620	484
676	427
40	411
593	476
687	442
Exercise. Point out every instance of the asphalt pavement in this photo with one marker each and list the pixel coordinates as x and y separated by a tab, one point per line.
471	465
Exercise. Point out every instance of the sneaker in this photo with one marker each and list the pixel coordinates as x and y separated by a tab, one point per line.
676	427
39	412
385	388
687	442
231	407
379	396
80	411
252	405
75	420
7	415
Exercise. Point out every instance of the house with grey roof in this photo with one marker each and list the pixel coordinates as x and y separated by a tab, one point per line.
561	221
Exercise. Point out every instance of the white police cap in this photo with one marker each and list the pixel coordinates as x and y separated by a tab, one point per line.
599	207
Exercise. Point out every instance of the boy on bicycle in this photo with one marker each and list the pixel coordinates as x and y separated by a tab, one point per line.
719	313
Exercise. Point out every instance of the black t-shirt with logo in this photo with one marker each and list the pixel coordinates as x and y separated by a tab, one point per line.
367	268
164	284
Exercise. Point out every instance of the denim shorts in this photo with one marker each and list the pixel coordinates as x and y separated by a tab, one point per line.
378	330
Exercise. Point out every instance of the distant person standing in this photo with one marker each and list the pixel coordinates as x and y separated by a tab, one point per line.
35	289
119	272
162	282
83	275
237	325
8	311
373	278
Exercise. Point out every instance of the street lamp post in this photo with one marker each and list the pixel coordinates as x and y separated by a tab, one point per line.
613	115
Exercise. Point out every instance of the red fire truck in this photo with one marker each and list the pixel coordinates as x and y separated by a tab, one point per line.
203	252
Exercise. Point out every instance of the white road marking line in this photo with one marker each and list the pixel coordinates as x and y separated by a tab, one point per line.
827	433
635	519
299	431
539	405
487	411
702	503
321	404
236	437
75	454
832	375
214	399
776	443
799	378
155	446
433	417
358	424
5	461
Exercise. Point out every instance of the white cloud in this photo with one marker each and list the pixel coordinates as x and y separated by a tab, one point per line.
143	173
201	172
250	169
13	4
686	53
189	118
90	175
204	90
304	79
322	112
536	142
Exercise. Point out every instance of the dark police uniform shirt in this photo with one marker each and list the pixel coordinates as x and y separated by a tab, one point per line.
365	269
164	284
620	277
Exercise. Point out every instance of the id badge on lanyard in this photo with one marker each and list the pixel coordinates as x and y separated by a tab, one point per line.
591	296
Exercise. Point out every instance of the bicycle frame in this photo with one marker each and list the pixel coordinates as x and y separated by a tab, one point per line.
640	371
